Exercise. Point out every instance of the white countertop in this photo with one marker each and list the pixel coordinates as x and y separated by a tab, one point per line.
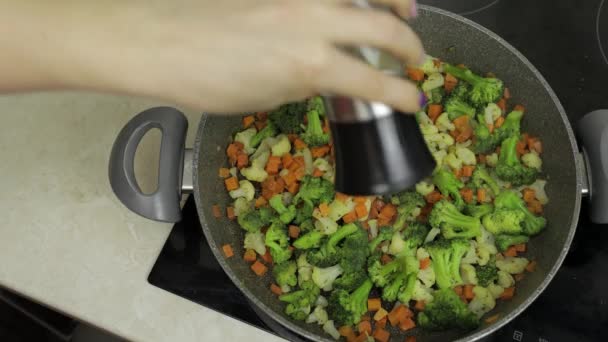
67	242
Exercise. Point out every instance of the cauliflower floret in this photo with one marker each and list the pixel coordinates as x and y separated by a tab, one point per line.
397	244
453	161
491	113
444	124
435	80
471	256
466	155
505	279
256	171
326	226
422	292
424	188
495	290
427	276
422	253
255	241
539	189
244	137
439	157
428	129
485	247
318	315
468	274
431	65
280	146
492	159
322	164
513	265
337	208
245	190
242	205
483	301
325	277
532	159
321	301
330	328
432	234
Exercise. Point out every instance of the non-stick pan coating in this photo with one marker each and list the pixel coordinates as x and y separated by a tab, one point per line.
454	39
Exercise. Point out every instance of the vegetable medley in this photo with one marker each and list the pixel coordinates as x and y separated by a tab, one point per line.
436	257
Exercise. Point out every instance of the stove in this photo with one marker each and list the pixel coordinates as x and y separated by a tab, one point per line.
568	42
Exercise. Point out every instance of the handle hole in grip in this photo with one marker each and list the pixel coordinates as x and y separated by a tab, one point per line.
147	161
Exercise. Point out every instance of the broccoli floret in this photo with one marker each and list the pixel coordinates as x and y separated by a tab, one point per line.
449	185
286	214
309	240
484	90
254	220
446	256
316	104
436	95
407	290
503	241
277	241
414	236
289	117
509	168
314	135
479	210
455	107
487	273
531	224
461	91
504	221
384	234
354	251
409	201
447	311
304	212
301	301
453	223
306	226
350	280
269	131
285	273
347	308
382	274
325	277
328	254
392	289
484	141
316	190
511	126
482	177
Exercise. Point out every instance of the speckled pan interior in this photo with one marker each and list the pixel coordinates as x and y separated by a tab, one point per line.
457	40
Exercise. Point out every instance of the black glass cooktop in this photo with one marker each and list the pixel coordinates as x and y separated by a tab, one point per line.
568	42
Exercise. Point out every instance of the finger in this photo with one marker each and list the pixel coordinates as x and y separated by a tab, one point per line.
347	76
404	8
350	26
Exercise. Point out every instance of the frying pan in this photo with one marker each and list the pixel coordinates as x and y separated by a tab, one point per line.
449	37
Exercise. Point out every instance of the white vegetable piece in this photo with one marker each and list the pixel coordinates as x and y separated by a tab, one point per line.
427	276
444	124
244	137
330	328
505	279
431	65
326	226
495	290
325	277
483	301
245	190
280	146
255	241
532	159
492	159
471	256
397	244
468	274
422	292
433	81
424	188
432	234
539	189
466	155
513	265
491	113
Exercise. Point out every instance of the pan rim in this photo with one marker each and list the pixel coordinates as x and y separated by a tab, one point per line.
470	337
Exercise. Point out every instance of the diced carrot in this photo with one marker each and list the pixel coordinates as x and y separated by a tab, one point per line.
536	207
499	122
425	263
231	183
434	111
481	195
458	290
481	159
350	217
300	173
510	252
492	319
399	314
290	178
420	305
450	82
519	108
537	146
359	199
433	197
381	324
299	160
261	115
374	304
273	165
267	257
365	225
293	188
415	74
461	122
521	148
249	255
410	338
458	173
318	152
294	231
259	125
468	292
217	211
276	289
502	104
365	327
467	194
361	338
242	159
407	324
299	144
260	202
317	173
233	149
228	252
341	197
506	93
531	266
224	172
287	160
388	211
361	210
230	213
508	293
378	204
385	259
381	335
324	209
467	170
248	121
520	248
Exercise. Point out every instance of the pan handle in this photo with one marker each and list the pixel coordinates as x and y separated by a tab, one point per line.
593	131
164	203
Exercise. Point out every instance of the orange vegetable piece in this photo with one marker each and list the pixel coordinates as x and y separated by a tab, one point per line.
233	149
434	111
294	231
506	93
293	188
230	213
467	194
381	335
468	292
341	197
324	209
299	144
267	257
433	197
359	199
520	248
458	290
300	173
317	173
248	121
320	151
374	304
531	266
388	211
420	305
249	255
350	217
259	125
261	116
510	252
287	160
228	252
258	268
521	148
535	207
242	159
273	165
361	210
410	338
536	146
361	338
492	319
508	293
467	170
458	173
365	327
217	211
502	104
231	183
425	263
415	74
450	82
407	324
260	202
385	259
399	314
276	289
381	324
347	332
224	172
481	195
519	108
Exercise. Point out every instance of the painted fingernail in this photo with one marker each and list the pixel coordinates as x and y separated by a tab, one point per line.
422	100
414	9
